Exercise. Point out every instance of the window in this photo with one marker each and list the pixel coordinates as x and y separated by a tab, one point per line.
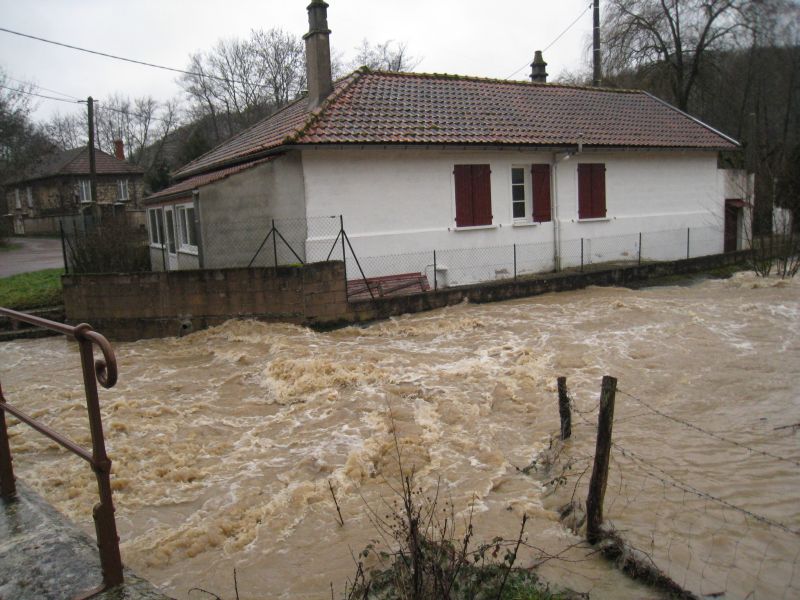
540	175
186	233
122	190
473	195
17	201
591	191
518	195
85	190
170	223
29	194
156	222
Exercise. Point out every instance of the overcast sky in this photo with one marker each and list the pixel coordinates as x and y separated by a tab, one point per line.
465	37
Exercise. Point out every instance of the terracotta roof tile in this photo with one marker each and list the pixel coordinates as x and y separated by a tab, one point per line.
76	162
406	108
185	187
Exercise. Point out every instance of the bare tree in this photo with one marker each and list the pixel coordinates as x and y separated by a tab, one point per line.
240	81
66	131
284	62
676	37
386	56
21	141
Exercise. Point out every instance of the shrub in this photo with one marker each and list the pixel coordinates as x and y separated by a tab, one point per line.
111	246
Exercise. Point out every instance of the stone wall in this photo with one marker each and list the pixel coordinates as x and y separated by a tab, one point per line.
145	305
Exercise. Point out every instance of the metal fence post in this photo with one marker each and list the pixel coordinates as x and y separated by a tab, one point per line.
581	255
515	262
435	279
63	246
640	247
344	256
688	234
274	245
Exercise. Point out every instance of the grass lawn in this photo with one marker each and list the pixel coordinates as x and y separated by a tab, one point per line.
31	290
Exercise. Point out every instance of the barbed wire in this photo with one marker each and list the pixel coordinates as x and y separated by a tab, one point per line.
677	483
707	432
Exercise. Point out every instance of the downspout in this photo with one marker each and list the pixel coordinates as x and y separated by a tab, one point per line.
559	157
556	219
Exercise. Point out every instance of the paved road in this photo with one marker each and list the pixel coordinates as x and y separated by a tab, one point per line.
31	254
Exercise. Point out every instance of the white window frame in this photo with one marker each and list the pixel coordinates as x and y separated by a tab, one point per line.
123	190
17	200
527	186
85	191
186	229
29	196
155	225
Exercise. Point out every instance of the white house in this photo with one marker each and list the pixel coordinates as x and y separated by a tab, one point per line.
472	168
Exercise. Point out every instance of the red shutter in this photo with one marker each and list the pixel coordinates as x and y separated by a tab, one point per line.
584	191
598	191
540	175
481	195
463	179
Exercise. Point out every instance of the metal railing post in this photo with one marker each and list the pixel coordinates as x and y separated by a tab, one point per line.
103	512
581	255
103	371
7	487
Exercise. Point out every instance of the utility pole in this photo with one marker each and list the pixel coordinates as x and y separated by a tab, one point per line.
596	45
92	166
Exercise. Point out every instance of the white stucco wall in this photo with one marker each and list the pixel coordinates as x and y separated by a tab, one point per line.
400	202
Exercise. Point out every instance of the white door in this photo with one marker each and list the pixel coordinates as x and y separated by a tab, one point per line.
172	247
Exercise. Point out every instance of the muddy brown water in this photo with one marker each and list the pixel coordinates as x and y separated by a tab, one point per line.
224	442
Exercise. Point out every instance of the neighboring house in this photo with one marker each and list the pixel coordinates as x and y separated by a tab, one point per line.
59	186
417	162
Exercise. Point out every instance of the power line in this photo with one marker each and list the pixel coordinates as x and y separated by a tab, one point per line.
39	95
130	60
558	37
36	85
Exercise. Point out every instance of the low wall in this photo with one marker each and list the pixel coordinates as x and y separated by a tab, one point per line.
555	282
144	305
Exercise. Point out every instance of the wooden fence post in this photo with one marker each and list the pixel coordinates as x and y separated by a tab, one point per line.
563	409
597	485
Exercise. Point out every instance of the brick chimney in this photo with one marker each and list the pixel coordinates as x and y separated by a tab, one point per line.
318	54
538	66
119	149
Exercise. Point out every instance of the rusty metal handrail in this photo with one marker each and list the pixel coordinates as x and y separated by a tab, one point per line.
103	371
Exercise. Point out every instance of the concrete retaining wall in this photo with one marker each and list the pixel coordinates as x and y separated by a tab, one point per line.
555	282
145	305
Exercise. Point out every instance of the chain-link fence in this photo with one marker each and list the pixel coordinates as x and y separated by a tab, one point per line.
275	242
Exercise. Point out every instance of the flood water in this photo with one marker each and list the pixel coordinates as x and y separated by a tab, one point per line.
225	442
